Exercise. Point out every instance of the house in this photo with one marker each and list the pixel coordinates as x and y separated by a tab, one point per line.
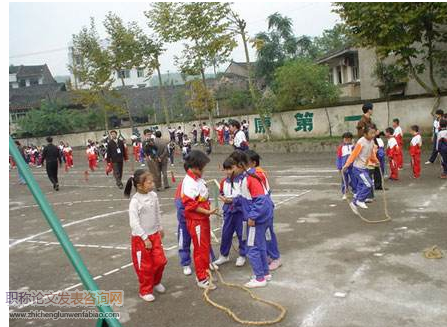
26	76
133	78
344	71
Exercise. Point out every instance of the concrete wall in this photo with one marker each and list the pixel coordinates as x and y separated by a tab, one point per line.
316	122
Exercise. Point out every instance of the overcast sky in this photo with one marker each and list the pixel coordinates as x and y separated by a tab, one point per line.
35	28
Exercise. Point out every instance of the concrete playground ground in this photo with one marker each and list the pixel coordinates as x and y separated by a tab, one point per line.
337	270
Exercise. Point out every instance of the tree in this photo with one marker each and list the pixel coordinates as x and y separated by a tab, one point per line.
203	28
92	67
124	49
200	98
332	39
414	32
301	82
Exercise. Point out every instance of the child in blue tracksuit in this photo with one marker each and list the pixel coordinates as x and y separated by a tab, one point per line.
273	254
258	211
344	150
381	155
233	215
183	237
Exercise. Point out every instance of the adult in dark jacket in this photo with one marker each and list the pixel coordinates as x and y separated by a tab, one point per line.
51	155
115	155
150	154
161	161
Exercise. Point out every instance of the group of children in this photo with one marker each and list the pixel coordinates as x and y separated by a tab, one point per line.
248	212
362	165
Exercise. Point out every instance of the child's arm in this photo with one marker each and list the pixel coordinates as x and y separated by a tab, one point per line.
259	205
339	162
158	217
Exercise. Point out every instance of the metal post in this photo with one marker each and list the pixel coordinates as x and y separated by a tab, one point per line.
58	230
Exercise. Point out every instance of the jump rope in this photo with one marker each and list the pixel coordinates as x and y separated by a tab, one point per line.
215	189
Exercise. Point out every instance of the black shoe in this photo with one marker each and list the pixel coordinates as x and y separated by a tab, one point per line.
158	189
120	186
56	187
166	187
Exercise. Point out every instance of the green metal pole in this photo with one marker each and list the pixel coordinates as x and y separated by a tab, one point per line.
59	231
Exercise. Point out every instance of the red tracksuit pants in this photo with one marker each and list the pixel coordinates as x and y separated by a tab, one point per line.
136	153
416	165
394	168
148	263
92	164
201	239
400	157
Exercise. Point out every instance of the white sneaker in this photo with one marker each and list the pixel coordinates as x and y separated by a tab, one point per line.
428	162
143	165
344	197
206	284
240	261
361	204
254	283
148	297
213	266
172	165
187	270
369	200
222	259
268	277
354	208
160	288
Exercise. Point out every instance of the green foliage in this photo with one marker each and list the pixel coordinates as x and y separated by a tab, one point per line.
332	39
200	98
391	76
51	119
301	82
234	98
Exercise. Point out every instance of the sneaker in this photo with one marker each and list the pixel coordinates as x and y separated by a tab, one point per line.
369	200
361	204
213	266
354	208
268	277
206	284
275	264
254	283
428	162
240	261
148	297
222	259
187	270
143	165
344	197
160	288
56	187
172	165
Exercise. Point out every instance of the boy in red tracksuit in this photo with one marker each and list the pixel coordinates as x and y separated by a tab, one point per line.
197	213
399	136
91	157
392	152
415	151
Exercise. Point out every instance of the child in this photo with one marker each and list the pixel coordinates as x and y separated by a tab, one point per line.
179	134
226	133
91	157
344	150
438	117
183	237
442	146
194	134
398	135
171	134
273	254
197	212
230	188
258	211
136	147
392	153
208	146
415	151
186	146
360	157
68	153
379	170
147	250
171	152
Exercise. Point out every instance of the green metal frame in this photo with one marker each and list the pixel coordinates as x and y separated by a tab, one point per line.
58	230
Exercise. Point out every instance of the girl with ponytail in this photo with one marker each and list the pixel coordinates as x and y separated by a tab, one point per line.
148	256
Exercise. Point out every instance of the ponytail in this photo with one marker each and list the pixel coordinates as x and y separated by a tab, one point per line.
134	180
128	188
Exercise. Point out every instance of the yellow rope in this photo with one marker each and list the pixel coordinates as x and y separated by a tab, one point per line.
385	202
252	295
433	253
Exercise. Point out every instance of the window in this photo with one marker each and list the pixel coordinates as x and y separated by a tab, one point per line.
339	76
22	83
33	81
124	73
140	72
355	73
